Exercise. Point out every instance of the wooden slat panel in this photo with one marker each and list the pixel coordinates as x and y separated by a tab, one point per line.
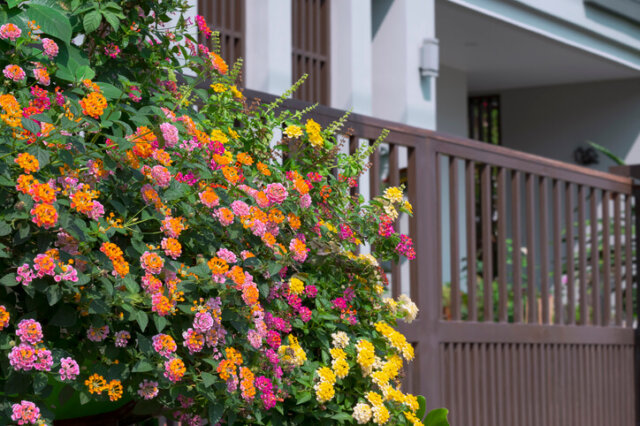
470	191
487	261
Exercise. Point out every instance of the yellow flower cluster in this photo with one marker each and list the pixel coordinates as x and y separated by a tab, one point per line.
339	363
396	340
324	388
393	194
293	131
366	356
292	354
378	409
313	130
296	286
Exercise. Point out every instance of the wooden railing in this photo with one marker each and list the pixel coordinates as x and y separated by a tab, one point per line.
524	277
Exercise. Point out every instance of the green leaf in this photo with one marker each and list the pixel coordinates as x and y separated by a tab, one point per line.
142	320
65	316
160	322
5	229
84	72
39	382
109	91
112	19
63	73
30	125
142	366
51	20
342	417
215	413
304	397
98	306
9	280
53	294
208	379
437	417
422	407
91	21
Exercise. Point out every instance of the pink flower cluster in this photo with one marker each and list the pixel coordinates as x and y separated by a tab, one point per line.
50	48
170	134
405	247
10	31
148	389
122	338
264	385
14	72
25	413
69	369
98	334
27	355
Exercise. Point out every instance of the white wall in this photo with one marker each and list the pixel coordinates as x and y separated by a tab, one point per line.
553	121
451	104
351	73
268	45
399	92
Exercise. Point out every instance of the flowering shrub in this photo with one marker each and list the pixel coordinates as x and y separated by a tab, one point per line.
158	251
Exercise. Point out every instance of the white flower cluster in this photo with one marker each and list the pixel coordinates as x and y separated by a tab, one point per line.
362	413
406	306
340	339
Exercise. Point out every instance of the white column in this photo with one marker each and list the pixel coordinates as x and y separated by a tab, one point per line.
268	45
351	76
399	92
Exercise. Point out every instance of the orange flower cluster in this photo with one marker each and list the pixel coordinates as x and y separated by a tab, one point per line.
42	193
12	115
113	252
44	215
246	384
96	384
28	162
218	63
93	104
218	266
114	390
4	317
227	367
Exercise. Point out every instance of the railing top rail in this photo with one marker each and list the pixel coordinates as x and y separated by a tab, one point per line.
403	134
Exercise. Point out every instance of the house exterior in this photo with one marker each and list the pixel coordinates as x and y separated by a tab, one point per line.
542	76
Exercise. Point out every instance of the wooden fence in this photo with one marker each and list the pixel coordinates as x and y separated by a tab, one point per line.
532	320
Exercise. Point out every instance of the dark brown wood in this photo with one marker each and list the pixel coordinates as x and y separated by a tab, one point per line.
517	243
595	259
487	261
557	253
571	296
532	299
582	257
226	17
502	246
454	240
543	192
628	244
606	259
617	257
470	191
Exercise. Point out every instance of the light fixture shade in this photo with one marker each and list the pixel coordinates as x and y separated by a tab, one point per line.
429	57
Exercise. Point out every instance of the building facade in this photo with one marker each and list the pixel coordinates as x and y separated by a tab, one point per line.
542	76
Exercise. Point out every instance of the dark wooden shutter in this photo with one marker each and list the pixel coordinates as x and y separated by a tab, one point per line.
310	50
226	17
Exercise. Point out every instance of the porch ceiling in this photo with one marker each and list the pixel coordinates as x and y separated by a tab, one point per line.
497	55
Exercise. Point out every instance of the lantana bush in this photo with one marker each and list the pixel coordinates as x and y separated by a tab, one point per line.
167	241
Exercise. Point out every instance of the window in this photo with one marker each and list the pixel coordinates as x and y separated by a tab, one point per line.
484	119
226	17
310	50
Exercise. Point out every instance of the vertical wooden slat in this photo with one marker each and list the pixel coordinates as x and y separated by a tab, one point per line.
606	259
532	309
502	246
544	248
571	309
595	259
470	188
454	240
515	231
394	180
557	255
617	256
582	256
487	261
628	271
374	173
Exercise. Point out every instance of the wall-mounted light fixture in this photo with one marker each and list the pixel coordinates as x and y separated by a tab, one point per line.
429	57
